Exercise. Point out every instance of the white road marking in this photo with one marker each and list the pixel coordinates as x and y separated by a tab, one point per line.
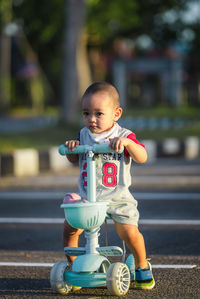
170	221
32	220
110	221
173	266
18	264
166	196
56	195
14	264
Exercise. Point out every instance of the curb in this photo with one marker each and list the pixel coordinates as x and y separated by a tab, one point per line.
30	162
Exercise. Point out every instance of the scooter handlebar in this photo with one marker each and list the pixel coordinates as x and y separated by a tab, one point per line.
81	149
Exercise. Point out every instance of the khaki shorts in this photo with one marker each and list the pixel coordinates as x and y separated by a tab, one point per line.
125	212
121	210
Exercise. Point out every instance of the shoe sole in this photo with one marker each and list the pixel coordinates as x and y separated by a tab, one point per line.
76	288
143	286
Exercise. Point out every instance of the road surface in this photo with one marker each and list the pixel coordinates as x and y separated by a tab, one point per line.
31	242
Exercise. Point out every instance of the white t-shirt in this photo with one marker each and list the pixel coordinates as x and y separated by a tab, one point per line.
113	177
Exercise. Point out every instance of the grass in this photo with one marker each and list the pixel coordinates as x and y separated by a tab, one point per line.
54	135
180	134
184	112
40	139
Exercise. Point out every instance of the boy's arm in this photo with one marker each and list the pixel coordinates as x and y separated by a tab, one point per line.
136	151
71	146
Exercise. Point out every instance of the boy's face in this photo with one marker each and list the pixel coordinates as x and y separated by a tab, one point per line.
99	112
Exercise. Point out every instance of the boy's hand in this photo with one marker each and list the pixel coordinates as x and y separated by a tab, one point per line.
117	143
136	151
71	144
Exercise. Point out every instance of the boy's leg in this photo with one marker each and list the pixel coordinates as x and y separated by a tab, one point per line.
71	234
71	237
135	242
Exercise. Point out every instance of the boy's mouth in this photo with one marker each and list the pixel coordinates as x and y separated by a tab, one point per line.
93	127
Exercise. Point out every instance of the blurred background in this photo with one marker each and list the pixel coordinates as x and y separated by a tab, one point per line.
51	50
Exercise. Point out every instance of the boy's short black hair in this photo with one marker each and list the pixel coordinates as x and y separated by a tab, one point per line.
103	87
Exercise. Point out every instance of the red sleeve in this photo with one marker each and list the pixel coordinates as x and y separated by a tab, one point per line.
133	138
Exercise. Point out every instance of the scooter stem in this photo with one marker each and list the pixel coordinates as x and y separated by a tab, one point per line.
91	177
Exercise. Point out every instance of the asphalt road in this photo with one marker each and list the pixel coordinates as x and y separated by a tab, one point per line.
168	193
31	232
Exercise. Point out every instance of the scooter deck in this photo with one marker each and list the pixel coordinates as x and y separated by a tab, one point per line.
106	251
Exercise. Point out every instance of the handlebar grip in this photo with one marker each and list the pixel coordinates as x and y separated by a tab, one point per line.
81	149
103	148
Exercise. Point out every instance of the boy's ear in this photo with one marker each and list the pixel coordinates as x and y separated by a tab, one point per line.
118	113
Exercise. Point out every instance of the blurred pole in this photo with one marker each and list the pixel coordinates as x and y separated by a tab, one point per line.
75	12
5	56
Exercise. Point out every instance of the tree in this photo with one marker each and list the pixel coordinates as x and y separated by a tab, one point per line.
57	36
105	21
44	33
75	10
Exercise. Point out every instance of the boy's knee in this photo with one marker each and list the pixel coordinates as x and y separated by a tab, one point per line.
128	232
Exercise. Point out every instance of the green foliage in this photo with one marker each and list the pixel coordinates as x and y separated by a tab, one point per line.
41	18
108	18
164	111
5	11
41	139
43	24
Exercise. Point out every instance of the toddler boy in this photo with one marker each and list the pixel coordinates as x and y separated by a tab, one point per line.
101	110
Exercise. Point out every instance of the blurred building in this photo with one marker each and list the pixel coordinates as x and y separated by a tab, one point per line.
149	78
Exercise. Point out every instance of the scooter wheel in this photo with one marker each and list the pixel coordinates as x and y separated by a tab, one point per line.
57	281
118	279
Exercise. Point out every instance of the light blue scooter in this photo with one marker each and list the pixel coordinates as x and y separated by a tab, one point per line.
91	268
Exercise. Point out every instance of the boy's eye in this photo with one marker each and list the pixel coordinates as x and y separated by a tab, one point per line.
99	113
85	113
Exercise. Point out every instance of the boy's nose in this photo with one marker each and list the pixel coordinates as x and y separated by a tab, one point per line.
92	118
